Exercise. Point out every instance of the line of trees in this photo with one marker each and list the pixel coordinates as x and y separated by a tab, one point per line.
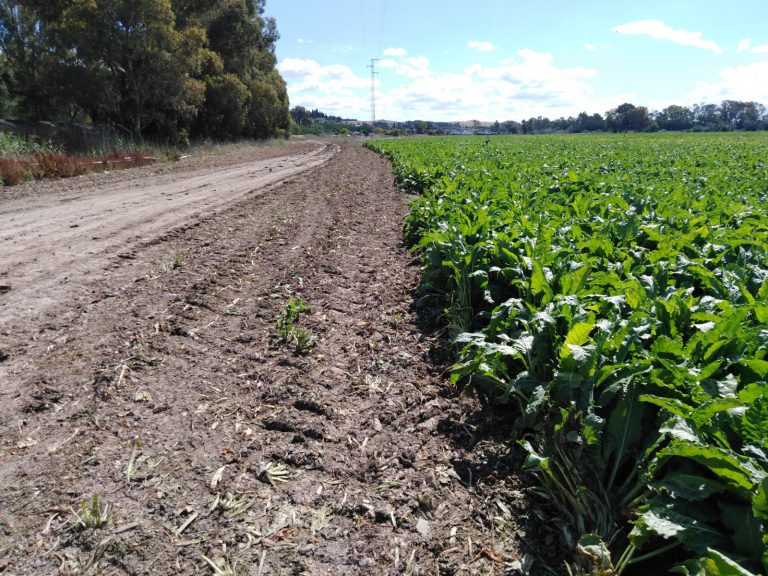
728	115
317	123
162	69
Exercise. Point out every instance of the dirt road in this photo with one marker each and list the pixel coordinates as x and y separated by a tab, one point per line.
50	247
140	360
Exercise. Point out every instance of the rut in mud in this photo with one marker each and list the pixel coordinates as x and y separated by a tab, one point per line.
167	392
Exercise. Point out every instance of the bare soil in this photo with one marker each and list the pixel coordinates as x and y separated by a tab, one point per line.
140	361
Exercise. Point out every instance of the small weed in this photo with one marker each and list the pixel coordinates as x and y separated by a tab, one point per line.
192	516
274	473
236	505
426	503
93	515
289	317
223	569
321	519
287	333
133	464
92	566
178	261
305	340
233	308
394	320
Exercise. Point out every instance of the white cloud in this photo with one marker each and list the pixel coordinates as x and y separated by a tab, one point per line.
660	31
531	67
749	82
305	41
341	47
744	44
414	67
480	46
292	67
306	76
411	67
596	47
395	52
530	84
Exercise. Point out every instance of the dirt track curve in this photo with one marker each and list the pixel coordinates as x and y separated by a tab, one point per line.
48	249
140	361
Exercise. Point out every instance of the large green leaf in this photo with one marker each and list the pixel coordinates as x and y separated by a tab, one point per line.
669	348
738	472
754	426
705	414
714	563
664	522
678	427
685	484
760	501
579	333
762	293
674	406
746	530
573	282
540	287
756	370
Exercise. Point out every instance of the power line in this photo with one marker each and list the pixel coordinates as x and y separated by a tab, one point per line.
365	37
372	66
381	24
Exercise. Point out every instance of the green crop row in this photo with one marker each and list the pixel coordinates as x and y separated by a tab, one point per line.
612	292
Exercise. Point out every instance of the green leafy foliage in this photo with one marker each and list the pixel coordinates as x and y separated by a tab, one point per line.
612	293
162	69
288	332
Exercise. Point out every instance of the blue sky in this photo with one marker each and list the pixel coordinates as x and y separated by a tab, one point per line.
509	59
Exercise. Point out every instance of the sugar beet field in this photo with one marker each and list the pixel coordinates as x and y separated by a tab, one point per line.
609	295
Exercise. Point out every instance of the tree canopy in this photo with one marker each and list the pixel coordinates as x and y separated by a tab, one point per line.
728	115
167	69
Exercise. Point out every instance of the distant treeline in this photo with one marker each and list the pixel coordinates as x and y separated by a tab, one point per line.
729	115
316	123
160	69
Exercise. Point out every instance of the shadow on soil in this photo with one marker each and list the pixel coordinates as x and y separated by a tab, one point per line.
490	460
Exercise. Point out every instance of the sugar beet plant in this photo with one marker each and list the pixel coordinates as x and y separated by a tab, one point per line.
289	333
612	292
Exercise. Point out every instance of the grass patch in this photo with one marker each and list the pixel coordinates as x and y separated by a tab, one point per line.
13	144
